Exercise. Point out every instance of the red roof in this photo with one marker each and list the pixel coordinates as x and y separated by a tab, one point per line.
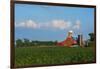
68	42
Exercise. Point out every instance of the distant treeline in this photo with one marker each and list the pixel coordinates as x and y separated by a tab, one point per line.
27	42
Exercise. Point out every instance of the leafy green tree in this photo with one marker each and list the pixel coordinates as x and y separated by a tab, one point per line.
19	43
91	36
26	42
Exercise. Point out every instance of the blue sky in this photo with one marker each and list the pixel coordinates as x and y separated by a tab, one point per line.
42	22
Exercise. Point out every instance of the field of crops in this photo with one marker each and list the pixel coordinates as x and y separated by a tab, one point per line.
52	55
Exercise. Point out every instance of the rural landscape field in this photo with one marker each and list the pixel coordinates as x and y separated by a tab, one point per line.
46	55
53	35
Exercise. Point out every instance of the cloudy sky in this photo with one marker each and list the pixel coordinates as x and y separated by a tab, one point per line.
41	22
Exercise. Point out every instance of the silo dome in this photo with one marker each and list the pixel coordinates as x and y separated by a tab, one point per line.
70	31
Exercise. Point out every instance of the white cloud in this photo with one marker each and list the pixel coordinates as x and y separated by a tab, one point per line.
54	24
60	24
28	24
20	24
32	24
77	25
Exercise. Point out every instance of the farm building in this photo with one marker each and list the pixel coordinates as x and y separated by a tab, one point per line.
70	40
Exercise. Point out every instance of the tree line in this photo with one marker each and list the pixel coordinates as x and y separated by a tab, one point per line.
27	42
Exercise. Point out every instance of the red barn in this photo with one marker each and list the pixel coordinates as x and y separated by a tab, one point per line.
69	41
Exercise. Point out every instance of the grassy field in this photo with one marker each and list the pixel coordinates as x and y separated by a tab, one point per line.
53	55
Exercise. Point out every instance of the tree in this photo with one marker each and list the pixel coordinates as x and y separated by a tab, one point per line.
19	43
26	42
91	36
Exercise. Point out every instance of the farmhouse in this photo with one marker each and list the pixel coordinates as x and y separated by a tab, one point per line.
70	40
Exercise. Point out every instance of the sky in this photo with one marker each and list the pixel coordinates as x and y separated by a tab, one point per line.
51	23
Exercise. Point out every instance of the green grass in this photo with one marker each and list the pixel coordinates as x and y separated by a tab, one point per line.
53	55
